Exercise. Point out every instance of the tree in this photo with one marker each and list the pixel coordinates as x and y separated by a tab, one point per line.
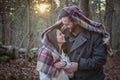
2	14
84	5
112	22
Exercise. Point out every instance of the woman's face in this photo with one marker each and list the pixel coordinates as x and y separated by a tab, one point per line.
60	37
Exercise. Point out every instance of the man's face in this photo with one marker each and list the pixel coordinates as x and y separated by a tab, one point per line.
67	23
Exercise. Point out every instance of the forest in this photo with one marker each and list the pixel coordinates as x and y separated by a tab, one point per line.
21	24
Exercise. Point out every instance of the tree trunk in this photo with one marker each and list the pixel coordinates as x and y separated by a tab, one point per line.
66	2
3	29
84	6
112	21
99	7
29	29
2	13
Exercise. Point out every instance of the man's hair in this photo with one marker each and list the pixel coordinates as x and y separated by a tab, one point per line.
63	13
52	37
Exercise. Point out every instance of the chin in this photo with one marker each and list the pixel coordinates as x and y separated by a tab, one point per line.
64	41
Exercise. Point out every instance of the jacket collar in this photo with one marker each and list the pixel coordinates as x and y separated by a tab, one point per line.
80	40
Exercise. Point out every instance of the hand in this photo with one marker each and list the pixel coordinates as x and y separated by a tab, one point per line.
60	64
73	67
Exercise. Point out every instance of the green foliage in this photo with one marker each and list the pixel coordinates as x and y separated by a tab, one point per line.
4	59
22	17
116	32
17	11
32	56
97	8
37	22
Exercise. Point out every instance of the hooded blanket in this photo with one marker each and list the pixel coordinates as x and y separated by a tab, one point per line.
47	56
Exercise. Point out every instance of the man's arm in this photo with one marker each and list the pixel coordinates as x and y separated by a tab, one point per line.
98	58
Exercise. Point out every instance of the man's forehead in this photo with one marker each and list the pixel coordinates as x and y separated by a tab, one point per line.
66	19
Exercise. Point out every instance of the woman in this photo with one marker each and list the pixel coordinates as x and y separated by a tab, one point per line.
50	53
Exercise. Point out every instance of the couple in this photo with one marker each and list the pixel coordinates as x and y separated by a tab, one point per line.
78	54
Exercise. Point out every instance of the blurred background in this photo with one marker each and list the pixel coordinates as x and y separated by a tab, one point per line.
22	21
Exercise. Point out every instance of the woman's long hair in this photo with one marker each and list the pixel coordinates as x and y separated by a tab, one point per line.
52	37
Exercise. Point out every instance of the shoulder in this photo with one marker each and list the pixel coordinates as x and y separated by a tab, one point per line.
44	54
94	35
44	50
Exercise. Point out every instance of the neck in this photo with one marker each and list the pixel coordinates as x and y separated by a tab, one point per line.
77	31
60	48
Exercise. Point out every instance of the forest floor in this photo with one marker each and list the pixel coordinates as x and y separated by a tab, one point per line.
18	69
112	68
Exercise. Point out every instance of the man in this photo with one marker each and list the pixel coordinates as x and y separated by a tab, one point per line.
84	45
